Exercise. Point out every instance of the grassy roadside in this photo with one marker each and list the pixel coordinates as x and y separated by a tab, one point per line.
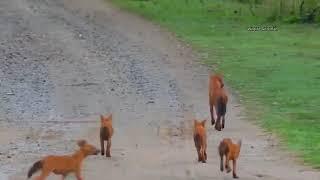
276	72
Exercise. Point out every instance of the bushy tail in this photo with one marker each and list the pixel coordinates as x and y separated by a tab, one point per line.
222	106
35	167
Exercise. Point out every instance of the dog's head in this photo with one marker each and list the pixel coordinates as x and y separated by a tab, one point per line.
87	149
199	123
106	120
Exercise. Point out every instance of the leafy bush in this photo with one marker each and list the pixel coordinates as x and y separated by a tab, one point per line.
292	11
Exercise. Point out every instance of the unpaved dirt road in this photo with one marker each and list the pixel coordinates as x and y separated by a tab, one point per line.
63	62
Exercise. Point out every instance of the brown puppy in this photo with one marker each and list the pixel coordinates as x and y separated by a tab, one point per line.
200	140
63	165
218	100
106	132
231	151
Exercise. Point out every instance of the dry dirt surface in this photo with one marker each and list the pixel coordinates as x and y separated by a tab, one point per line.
63	62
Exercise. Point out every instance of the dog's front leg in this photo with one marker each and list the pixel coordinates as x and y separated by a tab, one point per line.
108	154
227	165
221	163
234	173
102	146
78	175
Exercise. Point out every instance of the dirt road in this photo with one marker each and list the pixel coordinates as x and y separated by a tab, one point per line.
64	62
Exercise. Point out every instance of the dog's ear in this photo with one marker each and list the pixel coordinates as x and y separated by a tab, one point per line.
101	118
203	123
81	142
110	117
195	122
239	143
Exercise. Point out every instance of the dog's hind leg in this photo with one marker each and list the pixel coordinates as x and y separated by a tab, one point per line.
223	121
227	165
234	173
78	175
212	114
221	163
218	123
43	175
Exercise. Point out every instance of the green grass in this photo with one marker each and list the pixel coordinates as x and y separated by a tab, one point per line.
277	73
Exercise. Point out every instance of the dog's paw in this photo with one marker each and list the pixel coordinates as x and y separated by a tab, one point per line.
221	168
235	176
228	169
213	122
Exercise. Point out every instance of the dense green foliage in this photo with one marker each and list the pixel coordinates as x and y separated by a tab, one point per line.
292	11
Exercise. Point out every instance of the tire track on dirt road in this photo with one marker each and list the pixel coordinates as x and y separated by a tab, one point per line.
86	57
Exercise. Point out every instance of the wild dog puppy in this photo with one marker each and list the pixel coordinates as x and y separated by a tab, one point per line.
218	100
200	140
63	165
231	151
106	132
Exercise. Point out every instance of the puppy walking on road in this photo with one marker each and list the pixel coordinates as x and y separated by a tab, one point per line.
200	140
218	100
106	132
231	151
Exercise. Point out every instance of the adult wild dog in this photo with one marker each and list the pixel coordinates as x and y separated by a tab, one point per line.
200	140
63	165
231	151
106	132
218	100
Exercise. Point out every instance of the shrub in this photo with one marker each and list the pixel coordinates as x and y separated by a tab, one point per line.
292	11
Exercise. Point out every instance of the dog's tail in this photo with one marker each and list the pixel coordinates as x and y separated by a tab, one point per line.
35	167
222	106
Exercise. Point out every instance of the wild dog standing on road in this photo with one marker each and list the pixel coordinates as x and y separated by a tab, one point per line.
63	165
218	100
231	151
106	132
200	140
